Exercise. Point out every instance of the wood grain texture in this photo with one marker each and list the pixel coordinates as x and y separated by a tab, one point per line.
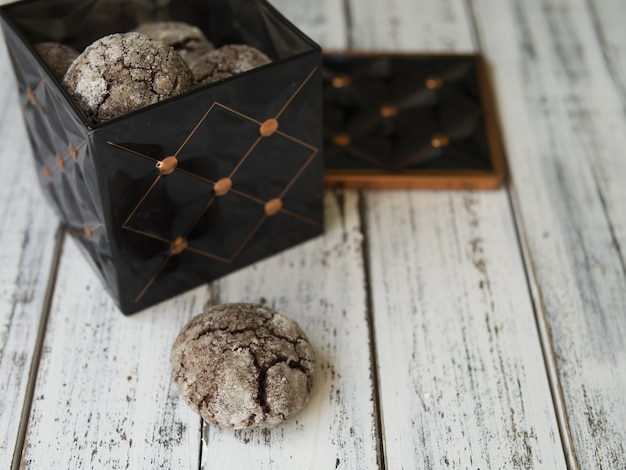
608	24
104	396
321	285
565	133
324	21
457	317
452	310
460	361
407	25
26	249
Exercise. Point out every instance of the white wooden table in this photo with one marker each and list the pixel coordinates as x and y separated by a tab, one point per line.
466	330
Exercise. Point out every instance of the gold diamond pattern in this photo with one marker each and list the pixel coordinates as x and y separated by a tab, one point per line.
57	161
349	142
170	164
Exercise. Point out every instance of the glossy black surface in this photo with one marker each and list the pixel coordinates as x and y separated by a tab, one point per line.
247	178
385	112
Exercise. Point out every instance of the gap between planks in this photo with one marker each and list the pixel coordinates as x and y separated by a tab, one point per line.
37	351
375	377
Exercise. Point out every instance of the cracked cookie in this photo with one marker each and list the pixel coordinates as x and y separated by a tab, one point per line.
188	40
124	72
227	61
57	56
243	366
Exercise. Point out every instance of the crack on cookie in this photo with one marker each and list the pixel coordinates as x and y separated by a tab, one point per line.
226	329
251	420
261	397
184	45
297	365
294	341
233	330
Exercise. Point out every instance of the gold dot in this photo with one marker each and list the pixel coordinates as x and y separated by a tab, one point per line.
439	140
72	151
341	81
268	127
60	163
388	111
167	165
178	246
47	173
341	139
432	83
87	231
223	186
273	206
31	95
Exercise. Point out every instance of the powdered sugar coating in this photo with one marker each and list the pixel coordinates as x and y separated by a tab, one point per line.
188	40
227	61
124	72
243	366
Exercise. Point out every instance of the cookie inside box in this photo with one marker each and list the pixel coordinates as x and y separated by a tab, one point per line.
409	121
184	191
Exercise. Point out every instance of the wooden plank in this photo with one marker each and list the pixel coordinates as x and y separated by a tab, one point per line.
460	363
104	396
27	244
462	377
410	25
565	133
321	285
323	21
607	17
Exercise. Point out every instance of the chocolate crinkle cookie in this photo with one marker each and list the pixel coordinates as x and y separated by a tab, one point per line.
57	56
124	72
188	40
227	61
243	366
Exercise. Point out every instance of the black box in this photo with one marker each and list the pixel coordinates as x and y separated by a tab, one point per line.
247	179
